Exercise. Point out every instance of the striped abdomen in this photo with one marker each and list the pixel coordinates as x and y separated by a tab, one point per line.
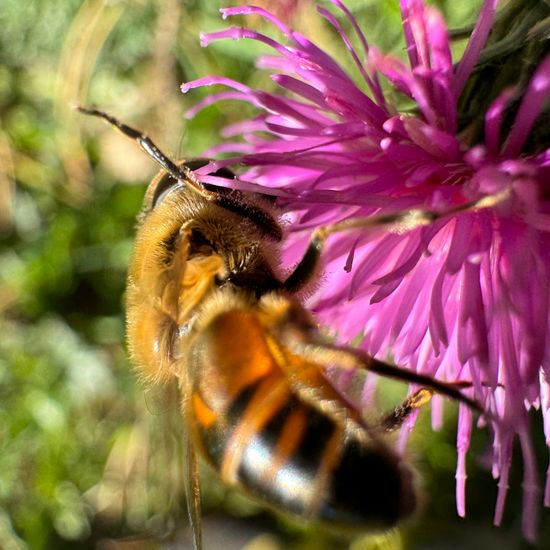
260	434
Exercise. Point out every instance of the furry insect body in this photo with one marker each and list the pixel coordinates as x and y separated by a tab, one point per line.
265	417
207	304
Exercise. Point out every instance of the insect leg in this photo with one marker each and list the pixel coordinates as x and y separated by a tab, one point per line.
329	355
193	493
398	222
394	420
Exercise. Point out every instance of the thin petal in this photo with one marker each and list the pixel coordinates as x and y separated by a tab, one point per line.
475	45
531	105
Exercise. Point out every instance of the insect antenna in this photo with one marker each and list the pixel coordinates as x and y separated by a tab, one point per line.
257	215
181	172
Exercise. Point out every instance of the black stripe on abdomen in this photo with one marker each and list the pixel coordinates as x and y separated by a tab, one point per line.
291	487
368	486
215	438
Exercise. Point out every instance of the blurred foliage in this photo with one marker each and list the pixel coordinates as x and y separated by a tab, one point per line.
88	458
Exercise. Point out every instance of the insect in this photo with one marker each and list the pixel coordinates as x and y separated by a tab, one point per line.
206	305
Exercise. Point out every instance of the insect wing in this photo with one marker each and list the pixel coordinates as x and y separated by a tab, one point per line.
193	493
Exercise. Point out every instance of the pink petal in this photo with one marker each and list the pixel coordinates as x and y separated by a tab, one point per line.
475	45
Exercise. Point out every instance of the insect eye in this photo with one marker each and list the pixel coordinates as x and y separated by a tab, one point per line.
164	187
168	183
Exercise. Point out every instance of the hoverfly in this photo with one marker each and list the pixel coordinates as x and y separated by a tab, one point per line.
205	305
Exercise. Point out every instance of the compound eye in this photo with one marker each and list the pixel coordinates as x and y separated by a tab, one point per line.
164	187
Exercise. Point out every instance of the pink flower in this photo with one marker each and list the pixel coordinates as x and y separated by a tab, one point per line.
466	298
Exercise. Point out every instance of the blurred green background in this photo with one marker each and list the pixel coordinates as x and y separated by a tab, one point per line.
88	457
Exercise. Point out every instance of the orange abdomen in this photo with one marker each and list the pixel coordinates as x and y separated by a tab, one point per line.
262	436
